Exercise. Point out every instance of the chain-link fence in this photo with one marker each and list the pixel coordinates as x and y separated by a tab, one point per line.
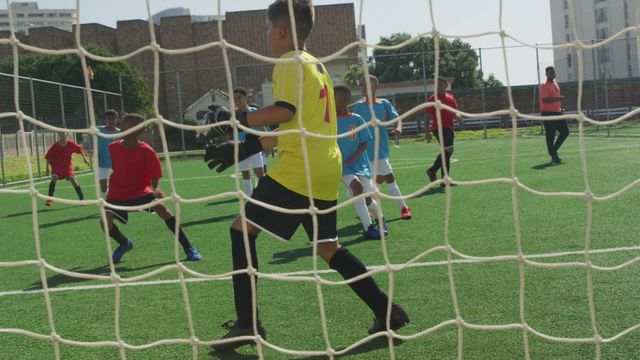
53	103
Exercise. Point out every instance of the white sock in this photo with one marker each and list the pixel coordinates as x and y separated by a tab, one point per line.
363	213
395	191
373	206
248	187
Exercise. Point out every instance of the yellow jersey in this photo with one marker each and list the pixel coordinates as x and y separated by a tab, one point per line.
318	111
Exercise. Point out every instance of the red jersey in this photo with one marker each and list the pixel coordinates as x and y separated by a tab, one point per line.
550	90
133	170
446	116
60	158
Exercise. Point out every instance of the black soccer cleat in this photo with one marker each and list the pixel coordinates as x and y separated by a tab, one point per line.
399	318
431	174
237	331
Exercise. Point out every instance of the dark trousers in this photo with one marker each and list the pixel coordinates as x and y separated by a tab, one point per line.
550	128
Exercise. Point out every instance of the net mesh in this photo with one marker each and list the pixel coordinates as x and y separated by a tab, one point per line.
97	104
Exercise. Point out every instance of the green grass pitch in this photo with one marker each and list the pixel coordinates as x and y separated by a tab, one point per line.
481	224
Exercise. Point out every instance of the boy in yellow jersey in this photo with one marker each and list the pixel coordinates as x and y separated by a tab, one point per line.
286	185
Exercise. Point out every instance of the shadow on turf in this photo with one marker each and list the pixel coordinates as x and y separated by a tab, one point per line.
284	257
39	211
221	202
544	166
70	221
60	279
375	344
209	220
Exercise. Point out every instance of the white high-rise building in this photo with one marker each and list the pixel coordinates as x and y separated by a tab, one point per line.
27	15
180	11
596	20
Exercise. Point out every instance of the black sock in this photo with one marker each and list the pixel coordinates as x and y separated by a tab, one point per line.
349	266
52	188
447	162
242	282
116	235
182	238
437	164
79	192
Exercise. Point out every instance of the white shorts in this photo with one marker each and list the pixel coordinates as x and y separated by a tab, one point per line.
252	162
384	167
367	184
103	173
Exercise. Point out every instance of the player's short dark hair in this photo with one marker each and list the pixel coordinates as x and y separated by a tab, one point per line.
136	118
372	78
342	90
549	68
443	79
111	112
241	90
303	12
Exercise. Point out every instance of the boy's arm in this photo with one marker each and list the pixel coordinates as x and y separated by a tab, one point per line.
270	115
356	155
155	187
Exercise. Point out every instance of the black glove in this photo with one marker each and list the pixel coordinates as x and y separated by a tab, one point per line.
220	156
221	113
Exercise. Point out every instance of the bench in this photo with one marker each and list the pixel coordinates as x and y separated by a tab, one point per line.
608	114
478	123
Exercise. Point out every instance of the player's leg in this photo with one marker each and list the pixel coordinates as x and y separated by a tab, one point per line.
437	163
103	177
170	221
370	231
257	163
384	169
563	130
372	204
76	186
279	225
550	134
349	266
52	188
124	244
245	168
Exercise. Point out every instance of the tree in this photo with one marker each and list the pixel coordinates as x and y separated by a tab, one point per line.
416	60
68	70
492	82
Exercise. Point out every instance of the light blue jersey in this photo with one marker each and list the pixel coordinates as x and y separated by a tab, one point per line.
104	159
348	145
242	136
384	112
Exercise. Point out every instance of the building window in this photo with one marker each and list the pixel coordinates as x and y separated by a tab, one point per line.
602	34
601	15
565	5
20	15
603	55
567	37
566	21
64	15
4	15
569	62
4	24
36	15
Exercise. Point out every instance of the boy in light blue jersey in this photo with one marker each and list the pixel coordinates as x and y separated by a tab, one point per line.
384	111
255	161
356	173
104	158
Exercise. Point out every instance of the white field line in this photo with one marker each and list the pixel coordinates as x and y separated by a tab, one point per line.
310	272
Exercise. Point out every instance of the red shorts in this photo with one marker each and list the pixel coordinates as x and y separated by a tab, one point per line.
63	174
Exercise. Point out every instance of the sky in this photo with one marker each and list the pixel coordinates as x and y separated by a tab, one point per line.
529	21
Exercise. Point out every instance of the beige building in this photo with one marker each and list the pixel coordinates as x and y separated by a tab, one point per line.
27	15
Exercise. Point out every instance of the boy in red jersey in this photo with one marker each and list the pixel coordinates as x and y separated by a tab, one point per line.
447	118
59	159
135	181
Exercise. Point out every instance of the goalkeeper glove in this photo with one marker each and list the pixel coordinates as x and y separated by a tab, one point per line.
221	113
220	156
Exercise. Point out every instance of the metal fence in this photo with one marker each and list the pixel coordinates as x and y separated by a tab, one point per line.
53	103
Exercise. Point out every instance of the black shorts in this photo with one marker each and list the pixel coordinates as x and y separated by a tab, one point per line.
123	215
447	136
283	225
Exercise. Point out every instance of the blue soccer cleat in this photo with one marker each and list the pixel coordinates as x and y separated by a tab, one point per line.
119	252
372	233
384	225
192	254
